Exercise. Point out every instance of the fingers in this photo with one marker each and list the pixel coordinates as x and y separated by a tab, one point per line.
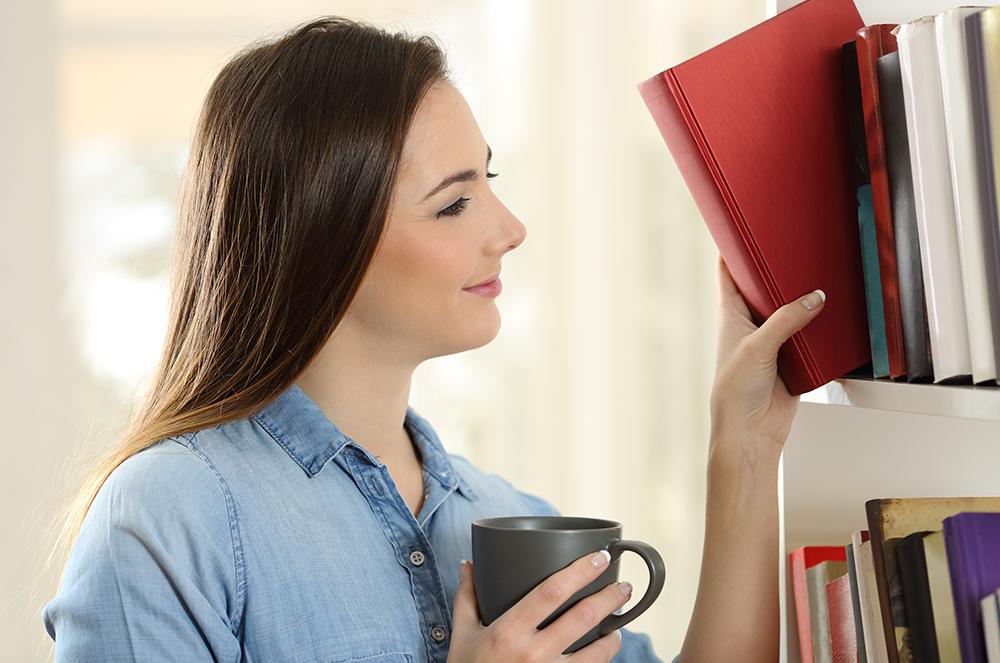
586	614
551	593
730	298
601	650
466	608
787	320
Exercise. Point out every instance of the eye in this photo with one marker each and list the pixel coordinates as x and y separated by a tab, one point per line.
459	205
455	208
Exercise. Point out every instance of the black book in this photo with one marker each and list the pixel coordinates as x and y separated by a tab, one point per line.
916	335
917	597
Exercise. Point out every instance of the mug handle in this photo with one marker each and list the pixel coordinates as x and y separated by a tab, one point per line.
657	575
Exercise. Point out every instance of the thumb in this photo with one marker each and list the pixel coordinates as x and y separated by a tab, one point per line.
788	319
466	608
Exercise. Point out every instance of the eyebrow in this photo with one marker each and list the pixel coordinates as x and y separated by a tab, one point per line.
463	176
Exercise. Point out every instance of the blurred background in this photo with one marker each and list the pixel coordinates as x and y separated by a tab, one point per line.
603	366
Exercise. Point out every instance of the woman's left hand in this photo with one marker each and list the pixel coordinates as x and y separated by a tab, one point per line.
749	400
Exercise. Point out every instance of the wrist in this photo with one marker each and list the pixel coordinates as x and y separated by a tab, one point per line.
740	454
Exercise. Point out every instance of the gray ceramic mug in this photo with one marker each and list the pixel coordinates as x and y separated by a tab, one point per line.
513	554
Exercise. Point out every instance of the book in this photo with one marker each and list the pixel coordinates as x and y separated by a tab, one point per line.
939	583
800	561
991	626
970	213
916	334
891	519
870	268
871	42
852	576
982	35
935	205
817	578
840	611
972	542
917	597
866	217
871	614
775	190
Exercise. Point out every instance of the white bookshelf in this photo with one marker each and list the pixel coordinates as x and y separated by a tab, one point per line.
957	401
859	439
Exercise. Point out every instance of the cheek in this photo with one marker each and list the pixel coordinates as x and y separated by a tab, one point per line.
426	266
416	279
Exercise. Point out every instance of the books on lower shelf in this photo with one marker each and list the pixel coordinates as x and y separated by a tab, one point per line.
875	178
921	584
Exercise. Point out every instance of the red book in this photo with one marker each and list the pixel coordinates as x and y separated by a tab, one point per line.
840	608
759	129
800	560
874	41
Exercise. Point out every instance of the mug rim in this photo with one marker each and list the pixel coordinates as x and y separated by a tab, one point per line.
497	524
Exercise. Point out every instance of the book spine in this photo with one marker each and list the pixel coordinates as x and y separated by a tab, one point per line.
979	100
801	595
872	42
961	548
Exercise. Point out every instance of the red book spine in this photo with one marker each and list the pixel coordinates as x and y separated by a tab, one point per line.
841	611
872	42
800	560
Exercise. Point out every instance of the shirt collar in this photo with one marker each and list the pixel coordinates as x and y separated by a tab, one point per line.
311	439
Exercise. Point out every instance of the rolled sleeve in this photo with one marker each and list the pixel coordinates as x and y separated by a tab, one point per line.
156	571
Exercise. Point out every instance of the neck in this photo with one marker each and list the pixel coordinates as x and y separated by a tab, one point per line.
363	389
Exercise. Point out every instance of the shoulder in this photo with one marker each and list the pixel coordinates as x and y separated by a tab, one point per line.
159	544
166	505
171	479
495	488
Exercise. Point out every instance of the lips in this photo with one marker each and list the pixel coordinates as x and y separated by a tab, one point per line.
492	278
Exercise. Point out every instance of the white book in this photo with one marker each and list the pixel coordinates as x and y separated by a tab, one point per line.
942	604
933	199
970	215
991	626
871	613
866	625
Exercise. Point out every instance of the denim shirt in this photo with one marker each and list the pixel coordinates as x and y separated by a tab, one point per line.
276	537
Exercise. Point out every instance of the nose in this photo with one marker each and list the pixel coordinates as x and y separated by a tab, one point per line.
512	232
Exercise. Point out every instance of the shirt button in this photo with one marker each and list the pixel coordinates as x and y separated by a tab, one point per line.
417	557
438	633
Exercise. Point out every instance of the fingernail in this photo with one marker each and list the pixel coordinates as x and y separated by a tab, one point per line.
619	634
625	587
813	299
601	559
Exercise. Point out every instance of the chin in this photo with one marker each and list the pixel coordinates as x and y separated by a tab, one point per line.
476	336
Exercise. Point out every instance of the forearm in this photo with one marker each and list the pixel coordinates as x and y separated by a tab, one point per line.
736	612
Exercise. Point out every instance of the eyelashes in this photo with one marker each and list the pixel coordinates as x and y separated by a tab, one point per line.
459	205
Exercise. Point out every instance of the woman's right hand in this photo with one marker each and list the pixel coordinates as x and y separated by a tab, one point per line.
514	636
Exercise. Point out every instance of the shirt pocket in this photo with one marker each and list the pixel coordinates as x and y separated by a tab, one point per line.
391	657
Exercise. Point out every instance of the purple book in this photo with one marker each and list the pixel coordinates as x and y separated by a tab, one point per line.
972	541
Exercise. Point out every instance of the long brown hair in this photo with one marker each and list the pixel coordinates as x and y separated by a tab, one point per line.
284	199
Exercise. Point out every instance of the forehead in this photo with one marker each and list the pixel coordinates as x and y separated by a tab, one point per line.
443	137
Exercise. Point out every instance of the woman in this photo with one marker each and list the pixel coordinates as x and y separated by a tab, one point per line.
276	499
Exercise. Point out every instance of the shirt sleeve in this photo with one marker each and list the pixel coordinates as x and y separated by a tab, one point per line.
156	571
636	647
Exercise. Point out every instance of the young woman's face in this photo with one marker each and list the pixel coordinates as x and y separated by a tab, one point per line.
439	241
